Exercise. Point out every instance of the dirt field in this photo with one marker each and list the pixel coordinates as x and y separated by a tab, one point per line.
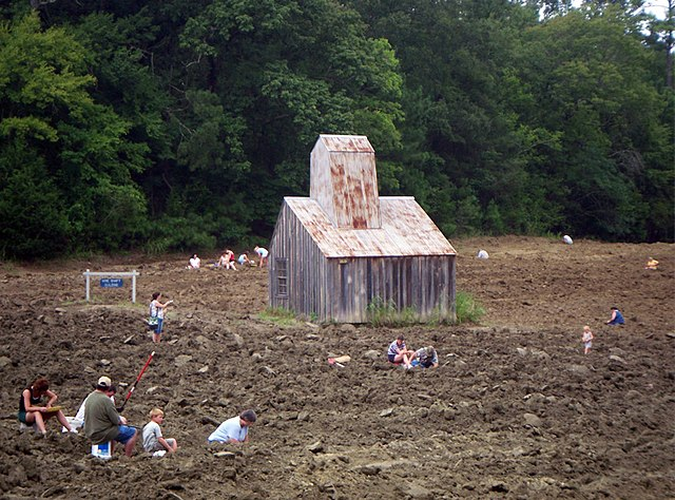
514	411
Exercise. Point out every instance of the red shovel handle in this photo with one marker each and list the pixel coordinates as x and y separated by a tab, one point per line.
133	387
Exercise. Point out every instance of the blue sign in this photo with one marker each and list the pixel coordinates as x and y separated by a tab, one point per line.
112	282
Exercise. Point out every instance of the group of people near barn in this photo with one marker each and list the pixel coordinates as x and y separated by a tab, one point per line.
227	259
399	354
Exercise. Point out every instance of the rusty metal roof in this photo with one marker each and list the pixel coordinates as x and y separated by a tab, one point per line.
345	143
406	231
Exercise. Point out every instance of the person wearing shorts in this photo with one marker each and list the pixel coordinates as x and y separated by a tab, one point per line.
153	439
263	254
587	339
32	411
399	353
102	423
157	312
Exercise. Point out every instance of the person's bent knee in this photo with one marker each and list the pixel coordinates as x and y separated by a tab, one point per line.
126	434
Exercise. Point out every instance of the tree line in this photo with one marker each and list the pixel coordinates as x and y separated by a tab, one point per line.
133	124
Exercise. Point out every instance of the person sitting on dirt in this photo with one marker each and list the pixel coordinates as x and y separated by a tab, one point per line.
587	339
235	429
427	357
398	352
243	259
617	317
652	264
31	411
157	316
153	440
226	260
195	262
229	260
263	253
102	423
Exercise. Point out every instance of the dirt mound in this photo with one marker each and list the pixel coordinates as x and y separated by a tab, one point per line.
514	411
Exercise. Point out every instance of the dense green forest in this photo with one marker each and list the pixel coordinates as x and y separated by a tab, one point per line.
176	125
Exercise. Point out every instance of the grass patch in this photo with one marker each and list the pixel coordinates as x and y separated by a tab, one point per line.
468	309
384	313
278	316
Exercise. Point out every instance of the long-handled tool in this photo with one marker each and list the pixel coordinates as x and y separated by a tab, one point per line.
133	387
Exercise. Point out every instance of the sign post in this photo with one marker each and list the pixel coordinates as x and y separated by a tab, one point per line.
110	280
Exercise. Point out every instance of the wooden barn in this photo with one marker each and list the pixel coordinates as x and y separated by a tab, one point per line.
345	247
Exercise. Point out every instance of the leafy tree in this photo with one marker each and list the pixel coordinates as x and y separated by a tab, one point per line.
76	148
288	72
593	93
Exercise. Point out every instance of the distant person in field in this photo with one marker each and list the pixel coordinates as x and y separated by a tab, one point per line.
263	254
153	440
157	315
195	262
234	430
33	411
587	339
616	318
244	260
399	353
427	357
652	264
229	260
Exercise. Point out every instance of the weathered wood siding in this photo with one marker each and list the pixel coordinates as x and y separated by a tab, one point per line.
306	268
424	283
340	289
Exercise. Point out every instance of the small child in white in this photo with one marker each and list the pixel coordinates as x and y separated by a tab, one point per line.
587	339
153	441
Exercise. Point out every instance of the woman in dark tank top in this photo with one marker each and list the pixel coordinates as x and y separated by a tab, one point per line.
31	410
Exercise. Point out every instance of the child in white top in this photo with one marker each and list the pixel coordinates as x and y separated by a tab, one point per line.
587	339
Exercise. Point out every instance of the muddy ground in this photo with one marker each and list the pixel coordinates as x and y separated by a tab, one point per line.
514	411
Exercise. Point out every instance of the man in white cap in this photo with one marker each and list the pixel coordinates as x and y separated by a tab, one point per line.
78	420
102	423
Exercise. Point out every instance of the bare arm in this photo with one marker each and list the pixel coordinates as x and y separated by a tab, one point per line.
52	398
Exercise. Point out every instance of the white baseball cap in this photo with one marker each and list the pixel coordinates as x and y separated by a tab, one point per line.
104	383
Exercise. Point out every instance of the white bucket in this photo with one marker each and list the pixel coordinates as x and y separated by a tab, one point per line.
103	450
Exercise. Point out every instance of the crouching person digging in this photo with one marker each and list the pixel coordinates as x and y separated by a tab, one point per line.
102	422
235	429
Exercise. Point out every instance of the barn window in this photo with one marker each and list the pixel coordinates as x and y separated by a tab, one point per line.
282	276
